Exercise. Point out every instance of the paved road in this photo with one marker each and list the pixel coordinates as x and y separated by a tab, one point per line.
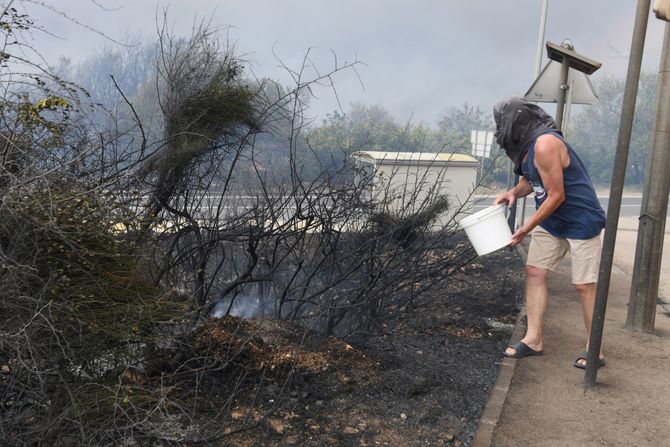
630	205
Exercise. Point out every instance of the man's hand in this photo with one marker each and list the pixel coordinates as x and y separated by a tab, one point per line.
505	197
517	237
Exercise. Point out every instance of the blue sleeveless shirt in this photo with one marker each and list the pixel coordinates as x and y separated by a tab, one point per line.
580	216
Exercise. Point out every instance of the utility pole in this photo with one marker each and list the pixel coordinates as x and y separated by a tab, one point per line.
616	190
540	38
536	73
651	229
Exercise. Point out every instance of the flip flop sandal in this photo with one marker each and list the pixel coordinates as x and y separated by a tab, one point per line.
521	350
584	356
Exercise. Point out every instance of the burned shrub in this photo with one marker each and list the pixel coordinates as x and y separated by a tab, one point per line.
109	240
77	308
407	229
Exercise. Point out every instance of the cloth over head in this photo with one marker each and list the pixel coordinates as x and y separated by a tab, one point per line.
518	123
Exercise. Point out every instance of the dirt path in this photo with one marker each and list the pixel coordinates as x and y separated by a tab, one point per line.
624	253
546	404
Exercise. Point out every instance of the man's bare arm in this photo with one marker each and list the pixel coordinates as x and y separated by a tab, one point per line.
550	159
521	189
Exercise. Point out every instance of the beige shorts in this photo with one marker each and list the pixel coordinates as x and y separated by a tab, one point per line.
546	251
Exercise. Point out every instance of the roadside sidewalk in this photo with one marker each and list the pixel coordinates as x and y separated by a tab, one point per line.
540	401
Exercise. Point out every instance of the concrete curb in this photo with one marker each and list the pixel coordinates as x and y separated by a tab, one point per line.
491	414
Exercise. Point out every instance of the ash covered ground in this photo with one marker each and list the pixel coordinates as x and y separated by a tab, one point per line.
424	379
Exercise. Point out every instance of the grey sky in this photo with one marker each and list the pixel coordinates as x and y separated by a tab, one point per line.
421	56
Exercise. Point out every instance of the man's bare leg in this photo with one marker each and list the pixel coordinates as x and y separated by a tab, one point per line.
537	297
587	296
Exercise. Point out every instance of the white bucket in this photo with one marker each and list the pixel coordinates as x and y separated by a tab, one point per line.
487	229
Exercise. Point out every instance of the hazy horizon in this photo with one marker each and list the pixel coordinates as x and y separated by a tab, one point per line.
418	61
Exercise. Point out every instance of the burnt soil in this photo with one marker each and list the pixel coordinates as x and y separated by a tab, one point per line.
424	380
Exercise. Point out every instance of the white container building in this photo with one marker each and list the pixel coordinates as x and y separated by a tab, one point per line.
403	181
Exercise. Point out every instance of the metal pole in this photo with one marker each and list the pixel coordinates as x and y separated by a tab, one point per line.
540	38
616	190
536	73
563	86
512	180
567	110
651	229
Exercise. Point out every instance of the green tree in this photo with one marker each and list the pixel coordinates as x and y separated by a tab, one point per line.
595	130
456	123
132	66
365	128
453	134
